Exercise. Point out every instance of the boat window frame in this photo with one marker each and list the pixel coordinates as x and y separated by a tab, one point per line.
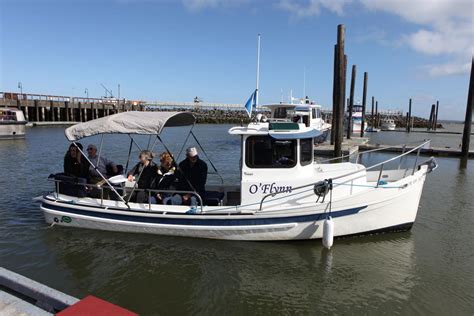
272	166
310	161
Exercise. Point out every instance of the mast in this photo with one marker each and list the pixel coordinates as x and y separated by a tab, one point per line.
258	69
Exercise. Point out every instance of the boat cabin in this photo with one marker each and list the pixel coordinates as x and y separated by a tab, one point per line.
297	113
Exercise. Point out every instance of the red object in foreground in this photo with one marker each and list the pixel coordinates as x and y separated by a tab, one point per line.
94	306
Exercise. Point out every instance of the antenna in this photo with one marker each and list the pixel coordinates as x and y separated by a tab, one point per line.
304	81
258	69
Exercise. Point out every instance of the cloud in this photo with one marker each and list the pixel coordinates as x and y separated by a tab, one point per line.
301	9
446	30
196	5
448	69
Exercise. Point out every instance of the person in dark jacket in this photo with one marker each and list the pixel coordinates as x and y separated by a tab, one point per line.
144	173
75	165
166	179
193	175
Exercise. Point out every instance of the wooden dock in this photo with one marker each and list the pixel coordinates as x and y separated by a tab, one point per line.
349	147
432	151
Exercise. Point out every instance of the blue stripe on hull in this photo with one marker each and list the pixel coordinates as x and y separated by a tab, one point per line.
189	220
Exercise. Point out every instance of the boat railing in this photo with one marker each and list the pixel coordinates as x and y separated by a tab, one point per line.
106	187
380	165
383	148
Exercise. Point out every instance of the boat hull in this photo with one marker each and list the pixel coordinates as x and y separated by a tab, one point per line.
12	130
385	210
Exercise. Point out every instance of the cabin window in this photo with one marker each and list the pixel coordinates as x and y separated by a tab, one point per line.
266	152
280	113
306	151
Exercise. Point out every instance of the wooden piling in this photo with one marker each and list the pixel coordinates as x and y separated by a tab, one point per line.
372	116
351	103
376	114
436	116
334	99
340	92
66	110
431	120
37	115
409	117
466	136
364	103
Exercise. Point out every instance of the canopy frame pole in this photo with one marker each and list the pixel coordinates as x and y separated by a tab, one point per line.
136	182
129	153
100	173
185	141
209	159
100	149
136	144
177	165
149	141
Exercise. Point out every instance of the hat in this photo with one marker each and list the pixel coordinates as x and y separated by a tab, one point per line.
191	152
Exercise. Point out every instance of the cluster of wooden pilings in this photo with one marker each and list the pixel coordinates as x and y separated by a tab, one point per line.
339	97
41	108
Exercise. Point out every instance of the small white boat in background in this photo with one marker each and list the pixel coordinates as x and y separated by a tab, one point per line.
12	123
305	112
372	130
388	125
356	119
283	194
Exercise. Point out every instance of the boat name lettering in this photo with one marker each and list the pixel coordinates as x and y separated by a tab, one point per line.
269	188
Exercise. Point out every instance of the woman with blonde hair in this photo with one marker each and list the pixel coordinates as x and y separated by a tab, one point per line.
166	179
145	173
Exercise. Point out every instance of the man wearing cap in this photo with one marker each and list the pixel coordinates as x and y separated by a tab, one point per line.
101	164
193	171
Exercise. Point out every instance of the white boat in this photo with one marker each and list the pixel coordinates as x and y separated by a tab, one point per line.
371	129
12	123
284	194
388	125
356	118
305	112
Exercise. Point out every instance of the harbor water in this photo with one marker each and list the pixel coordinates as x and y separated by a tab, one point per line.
429	270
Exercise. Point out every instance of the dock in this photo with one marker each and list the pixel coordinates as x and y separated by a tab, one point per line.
349	147
432	151
22	296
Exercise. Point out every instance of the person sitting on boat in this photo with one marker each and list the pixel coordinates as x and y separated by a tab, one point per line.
101	163
166	180
74	164
144	173
193	176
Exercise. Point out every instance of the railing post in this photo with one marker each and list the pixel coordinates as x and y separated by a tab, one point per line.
416	160
401	158
380	175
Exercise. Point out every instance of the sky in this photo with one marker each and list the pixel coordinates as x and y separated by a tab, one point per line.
175	50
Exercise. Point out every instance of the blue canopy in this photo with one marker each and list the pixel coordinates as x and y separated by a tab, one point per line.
308	134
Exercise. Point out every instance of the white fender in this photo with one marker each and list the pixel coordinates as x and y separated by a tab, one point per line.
328	232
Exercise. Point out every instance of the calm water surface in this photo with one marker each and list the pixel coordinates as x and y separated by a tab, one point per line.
429	270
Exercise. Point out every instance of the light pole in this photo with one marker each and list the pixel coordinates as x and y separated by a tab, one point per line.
20	86
86	91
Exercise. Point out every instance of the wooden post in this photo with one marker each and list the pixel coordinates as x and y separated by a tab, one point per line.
372	117
466	136
42	113
364	103
66	107
409	117
79	107
37	115
436	116
351	103
432	113
334	96
377	114
340	92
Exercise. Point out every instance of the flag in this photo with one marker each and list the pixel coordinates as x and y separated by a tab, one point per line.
251	103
